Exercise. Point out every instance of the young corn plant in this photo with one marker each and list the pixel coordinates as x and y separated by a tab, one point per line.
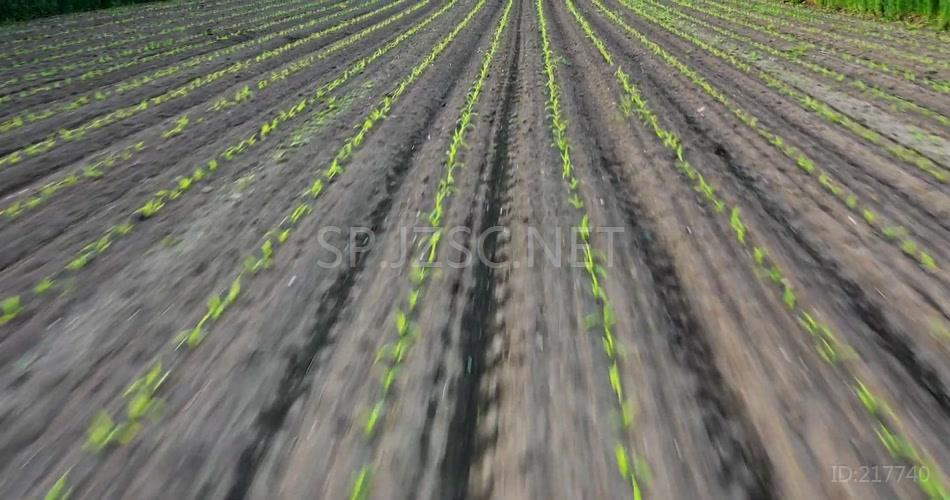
10	308
183	184
133	56
118	115
103	432
177	129
60	489
833	350
803	161
862	42
897	103
242	96
631	467
764	24
138	81
822	109
407	330
218	306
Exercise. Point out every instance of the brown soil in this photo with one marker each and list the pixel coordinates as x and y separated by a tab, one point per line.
505	391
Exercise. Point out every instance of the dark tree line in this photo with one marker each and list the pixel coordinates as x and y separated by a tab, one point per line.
21	10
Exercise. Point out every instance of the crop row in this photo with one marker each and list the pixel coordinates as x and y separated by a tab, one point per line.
862	42
763	24
91	170
162	198
282	231
153	50
64	38
141	396
138	81
893	233
179	24
103	431
820	21
242	96
808	102
135	82
848	23
896	103
829	346
304	133
393	354
77	133
632	468
23	33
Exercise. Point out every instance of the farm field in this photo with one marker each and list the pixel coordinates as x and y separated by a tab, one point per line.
465	249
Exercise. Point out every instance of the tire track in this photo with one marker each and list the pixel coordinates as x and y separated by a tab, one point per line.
464	444
742	461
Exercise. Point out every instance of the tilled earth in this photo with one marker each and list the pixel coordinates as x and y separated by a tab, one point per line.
681	252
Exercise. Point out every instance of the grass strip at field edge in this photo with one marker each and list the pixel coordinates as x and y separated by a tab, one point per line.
847	21
847	40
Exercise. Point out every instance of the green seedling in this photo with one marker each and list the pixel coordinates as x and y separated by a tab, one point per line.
43	286
151	208
827	345
10	307
60	489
